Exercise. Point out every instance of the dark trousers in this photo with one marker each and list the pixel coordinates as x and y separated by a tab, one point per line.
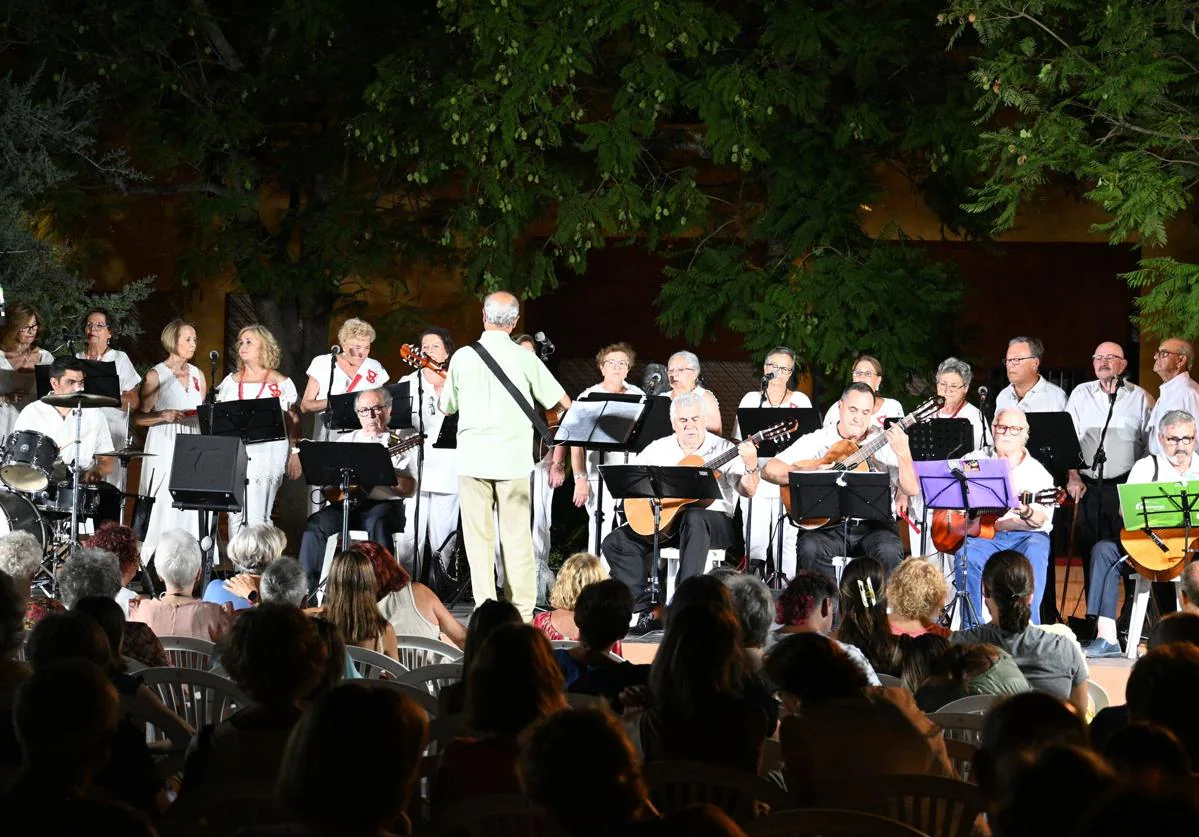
815	549
1094	526
381	519
696	532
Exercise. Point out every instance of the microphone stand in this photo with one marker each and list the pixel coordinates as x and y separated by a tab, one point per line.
420	476
327	415
982	408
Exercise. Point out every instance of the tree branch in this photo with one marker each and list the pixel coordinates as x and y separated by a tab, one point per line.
182	189
219	42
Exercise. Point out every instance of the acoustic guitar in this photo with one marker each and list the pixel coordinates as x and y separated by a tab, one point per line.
951	527
847	455
405	487
639	511
1158	554
417	359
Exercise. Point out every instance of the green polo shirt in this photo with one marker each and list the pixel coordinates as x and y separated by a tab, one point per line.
495	438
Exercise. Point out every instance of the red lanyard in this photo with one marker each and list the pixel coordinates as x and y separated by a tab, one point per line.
354	382
241	396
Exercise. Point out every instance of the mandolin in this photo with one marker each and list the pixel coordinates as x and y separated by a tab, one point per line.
640	511
417	359
1158	554
847	455
405	487
950	527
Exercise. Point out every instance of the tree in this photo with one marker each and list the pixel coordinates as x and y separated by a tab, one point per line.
1096	97
47	151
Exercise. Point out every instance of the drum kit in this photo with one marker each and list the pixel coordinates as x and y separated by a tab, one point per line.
46	498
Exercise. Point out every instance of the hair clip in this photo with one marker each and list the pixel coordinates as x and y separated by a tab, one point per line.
866	593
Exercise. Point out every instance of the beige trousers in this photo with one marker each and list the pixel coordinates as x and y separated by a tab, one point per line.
478	497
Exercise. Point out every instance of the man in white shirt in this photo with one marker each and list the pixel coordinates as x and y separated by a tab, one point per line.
697	529
1176	437
381	512
1172	363
494	452
1026	388
58	423
1025	528
815	548
1089	406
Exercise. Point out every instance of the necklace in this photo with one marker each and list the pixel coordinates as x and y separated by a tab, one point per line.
241	378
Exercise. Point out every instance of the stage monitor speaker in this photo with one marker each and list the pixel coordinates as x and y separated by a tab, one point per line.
208	472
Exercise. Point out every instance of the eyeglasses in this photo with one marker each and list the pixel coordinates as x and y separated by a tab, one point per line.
617	364
1012	361
949	386
1180	440
1160	353
1008	429
370	411
676	370
95	326
778	368
29	329
865	373
1108	358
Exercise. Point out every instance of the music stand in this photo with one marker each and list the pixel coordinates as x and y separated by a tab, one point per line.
253	420
840	496
186	459
447	437
344	419
656	423
365	464
938	439
657	483
99	378
752	420
605	422
1053	441
965	485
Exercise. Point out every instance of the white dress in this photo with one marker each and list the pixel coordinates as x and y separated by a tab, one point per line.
118	427
160	441
19	387
267	461
592	459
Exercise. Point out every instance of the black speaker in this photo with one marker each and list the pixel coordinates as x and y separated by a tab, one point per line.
208	472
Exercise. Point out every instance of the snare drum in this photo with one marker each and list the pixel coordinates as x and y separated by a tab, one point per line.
18	514
59	496
28	461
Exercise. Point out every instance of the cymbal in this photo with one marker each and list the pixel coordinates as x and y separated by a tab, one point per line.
125	454
79	399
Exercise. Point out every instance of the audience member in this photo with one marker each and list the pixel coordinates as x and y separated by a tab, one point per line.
701	590
332	784
274	653
1141	810
94	572
864	623
836	731
350	604
20	558
920	659
1149	755
512	682
574	758
1160	689
177	612
1176	627
250	550
66	717
917	591
1050	662
809	605
602	612
486	618
412	608
121	542
1188	588
1050	792
13	672
283	582
754	607
966	670
339	665
578	571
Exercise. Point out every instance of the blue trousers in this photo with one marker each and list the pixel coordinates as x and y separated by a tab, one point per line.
1032	545
1107	583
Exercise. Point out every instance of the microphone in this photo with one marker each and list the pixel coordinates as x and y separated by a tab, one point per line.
3	311
335	349
652	379
982	393
766	379
214	356
546	344
1116	390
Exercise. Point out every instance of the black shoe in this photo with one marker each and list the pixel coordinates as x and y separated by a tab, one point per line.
646	623
1085	629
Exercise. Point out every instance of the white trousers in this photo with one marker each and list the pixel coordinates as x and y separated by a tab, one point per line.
438	527
761	517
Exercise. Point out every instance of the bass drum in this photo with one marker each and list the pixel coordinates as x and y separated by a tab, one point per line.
18	514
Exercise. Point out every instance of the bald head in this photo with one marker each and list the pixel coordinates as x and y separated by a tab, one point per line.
501	310
1108	361
1173	357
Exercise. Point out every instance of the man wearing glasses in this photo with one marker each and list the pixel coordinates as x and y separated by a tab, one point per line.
380	513
1176	438
1124	443
1026	389
1172	363
1026	528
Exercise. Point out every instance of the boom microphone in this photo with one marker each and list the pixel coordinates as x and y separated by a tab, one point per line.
545	342
214	355
335	349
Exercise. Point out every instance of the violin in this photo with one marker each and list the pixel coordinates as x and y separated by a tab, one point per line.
950	528
417	359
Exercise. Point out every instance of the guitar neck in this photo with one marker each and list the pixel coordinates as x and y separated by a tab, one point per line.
872	447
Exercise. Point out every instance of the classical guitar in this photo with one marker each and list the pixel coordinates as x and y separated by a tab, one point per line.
417	359
847	455
951	527
1158	554
405	486
640	511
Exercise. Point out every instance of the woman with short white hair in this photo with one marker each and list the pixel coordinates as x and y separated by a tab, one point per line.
682	370
20	557
177	612
250	551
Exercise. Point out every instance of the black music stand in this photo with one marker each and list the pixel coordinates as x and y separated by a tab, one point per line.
447	437
657	483
1053	441
656	423
840	496
365	464
937	440
606	422
344	419
205	502
99	378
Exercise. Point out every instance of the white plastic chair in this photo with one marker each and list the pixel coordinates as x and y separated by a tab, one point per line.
418	652
960	726
373	666
889	680
1100	699
1140	606
970	705
427	701
189	652
670	557
198	697
159	726
743	796
432	679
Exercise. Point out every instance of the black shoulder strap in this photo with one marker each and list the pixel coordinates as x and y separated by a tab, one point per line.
539	424
1155	467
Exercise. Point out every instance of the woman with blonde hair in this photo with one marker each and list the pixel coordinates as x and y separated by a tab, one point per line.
20	354
916	592
257	376
170	395
350	604
577	572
